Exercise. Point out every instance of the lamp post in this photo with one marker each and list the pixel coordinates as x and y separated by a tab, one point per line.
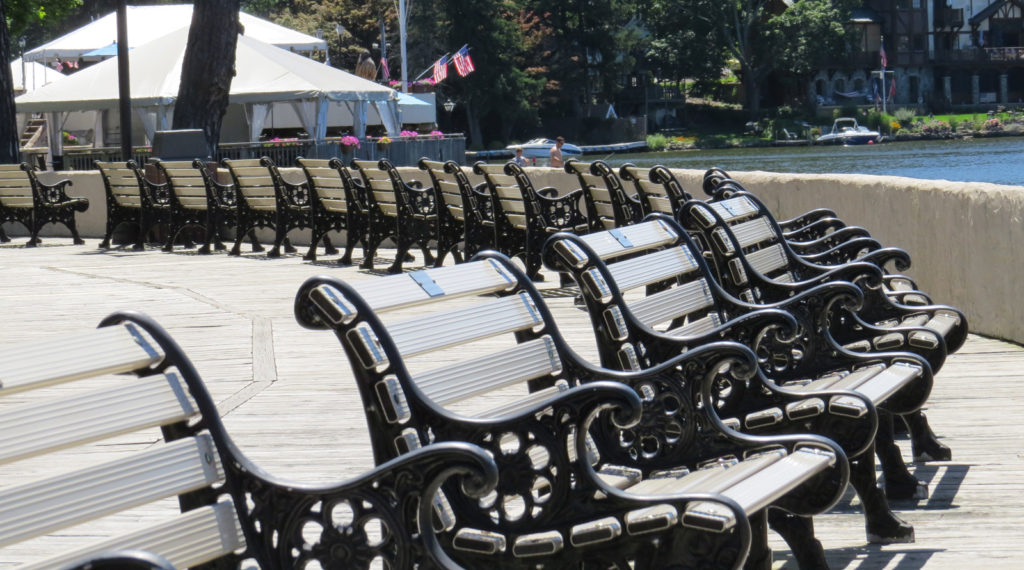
449	105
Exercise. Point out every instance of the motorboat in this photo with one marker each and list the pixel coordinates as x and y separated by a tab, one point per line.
541	148
846	131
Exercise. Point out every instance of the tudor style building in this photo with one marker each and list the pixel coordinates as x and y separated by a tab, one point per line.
940	53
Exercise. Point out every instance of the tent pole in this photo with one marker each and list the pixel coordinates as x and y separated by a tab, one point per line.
124	87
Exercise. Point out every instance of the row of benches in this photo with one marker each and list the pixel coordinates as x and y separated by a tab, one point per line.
675	459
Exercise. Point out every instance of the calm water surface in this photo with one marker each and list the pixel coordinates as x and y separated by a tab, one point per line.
998	160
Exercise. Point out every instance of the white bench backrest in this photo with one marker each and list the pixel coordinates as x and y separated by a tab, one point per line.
66	412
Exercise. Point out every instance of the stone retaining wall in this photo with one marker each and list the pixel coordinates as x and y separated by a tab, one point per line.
962	237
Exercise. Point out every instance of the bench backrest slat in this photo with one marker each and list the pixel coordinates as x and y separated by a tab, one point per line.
110	350
185	539
479	321
43	428
73	498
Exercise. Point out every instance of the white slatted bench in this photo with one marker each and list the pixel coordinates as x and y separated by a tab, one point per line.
128	201
608	204
757	264
650	296
469	352
267	200
336	206
112	446
30	202
524	216
190	200
469	207
398	211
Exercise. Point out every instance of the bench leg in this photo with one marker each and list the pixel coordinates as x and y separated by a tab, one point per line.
760	557
329	248
352	237
428	256
882	525
75	238
899	482
923	441
798	532
3	236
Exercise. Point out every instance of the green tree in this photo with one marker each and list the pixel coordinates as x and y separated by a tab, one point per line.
16	17
590	45
765	35
208	68
361	20
500	92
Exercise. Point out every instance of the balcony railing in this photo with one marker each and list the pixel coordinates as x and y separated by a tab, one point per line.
980	55
949	17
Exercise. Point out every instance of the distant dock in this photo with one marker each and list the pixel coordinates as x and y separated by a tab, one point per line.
634	146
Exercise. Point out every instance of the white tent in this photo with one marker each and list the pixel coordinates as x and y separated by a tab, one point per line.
146	23
35	75
264	75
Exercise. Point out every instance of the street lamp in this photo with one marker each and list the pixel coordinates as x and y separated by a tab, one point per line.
448	105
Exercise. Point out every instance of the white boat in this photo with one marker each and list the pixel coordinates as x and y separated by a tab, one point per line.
846	131
541	148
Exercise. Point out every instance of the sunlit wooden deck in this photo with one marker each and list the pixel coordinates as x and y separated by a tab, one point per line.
288	399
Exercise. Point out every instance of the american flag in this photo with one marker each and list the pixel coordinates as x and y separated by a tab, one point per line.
881	55
463	63
384	71
441	69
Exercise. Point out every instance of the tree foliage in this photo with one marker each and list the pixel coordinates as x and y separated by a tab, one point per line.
16	18
764	36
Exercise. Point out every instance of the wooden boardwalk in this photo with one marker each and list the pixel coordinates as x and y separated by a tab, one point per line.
289	401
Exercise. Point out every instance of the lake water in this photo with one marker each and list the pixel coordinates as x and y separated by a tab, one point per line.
997	160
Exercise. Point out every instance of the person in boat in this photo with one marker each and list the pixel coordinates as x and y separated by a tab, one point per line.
556	154
519	159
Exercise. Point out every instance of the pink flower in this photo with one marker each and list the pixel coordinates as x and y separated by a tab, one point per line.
406	134
349	141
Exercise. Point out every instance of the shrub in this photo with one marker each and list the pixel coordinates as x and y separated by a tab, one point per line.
954	124
992	125
657	142
936	128
904	115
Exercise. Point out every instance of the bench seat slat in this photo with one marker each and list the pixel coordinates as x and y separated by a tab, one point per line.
193	538
109	350
505	315
756	492
84	495
697	326
42	428
878	387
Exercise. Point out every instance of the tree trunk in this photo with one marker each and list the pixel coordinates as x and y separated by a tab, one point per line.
8	118
207	69
753	93
476	135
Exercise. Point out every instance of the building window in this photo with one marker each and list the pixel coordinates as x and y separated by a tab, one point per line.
903	43
919	42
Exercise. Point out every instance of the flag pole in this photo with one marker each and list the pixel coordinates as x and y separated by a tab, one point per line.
401	37
885	94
